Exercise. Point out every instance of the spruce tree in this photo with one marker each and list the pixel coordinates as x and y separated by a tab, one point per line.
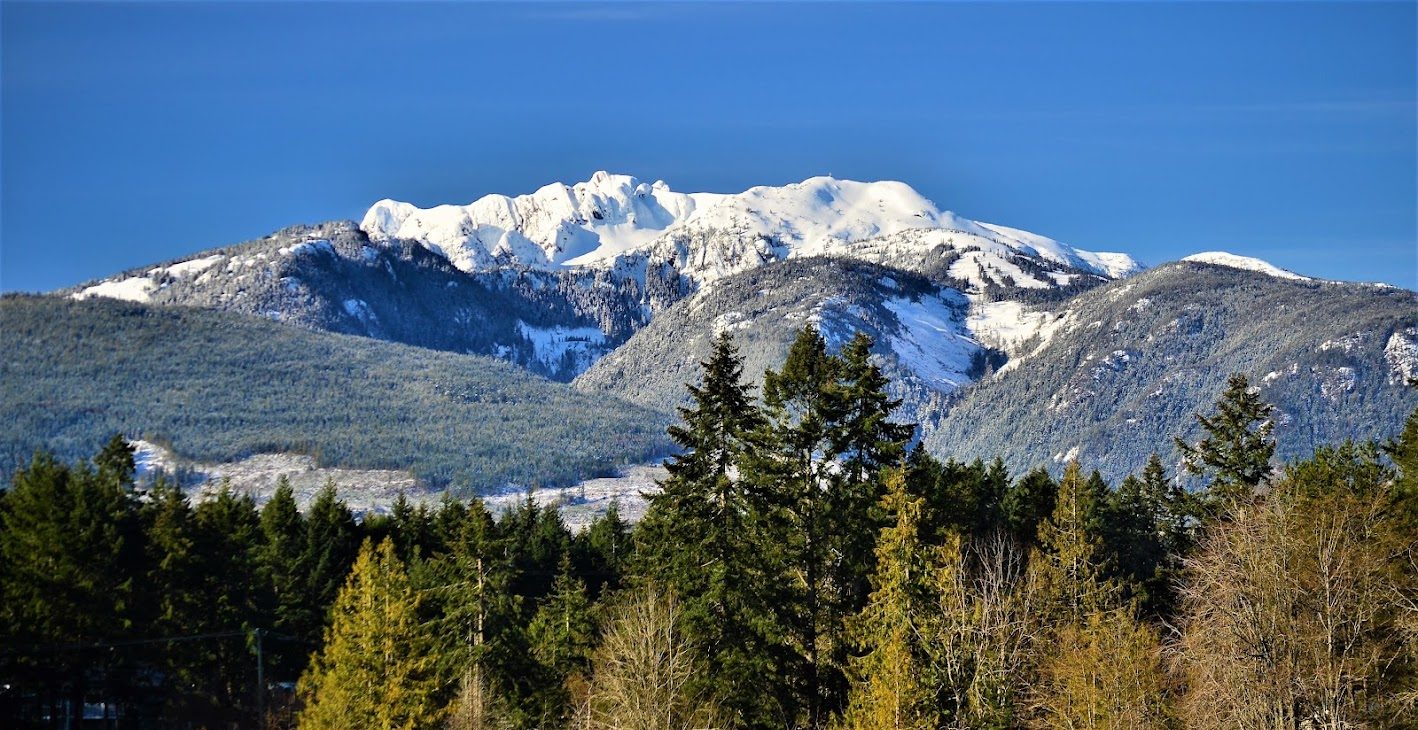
701	539
375	669
1237	448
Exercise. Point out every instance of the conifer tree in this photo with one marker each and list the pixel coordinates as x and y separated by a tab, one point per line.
1237	448
236	597
375	669
1028	503
176	578
889	688
1069	565
329	548
71	544
794	461
280	558
603	551
481	645
702	539
868	443
562	636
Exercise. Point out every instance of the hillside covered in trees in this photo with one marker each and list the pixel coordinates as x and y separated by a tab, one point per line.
803	567
218	386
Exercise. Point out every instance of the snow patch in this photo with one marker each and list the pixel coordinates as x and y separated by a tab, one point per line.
551	346
1401	352
932	341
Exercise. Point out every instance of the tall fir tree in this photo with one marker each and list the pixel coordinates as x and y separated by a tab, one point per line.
868	443
376	667
795	462
701	538
330	545
71	544
478	615
280	558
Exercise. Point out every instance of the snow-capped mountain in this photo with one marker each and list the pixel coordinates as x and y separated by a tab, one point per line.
617	221
556	279
993	337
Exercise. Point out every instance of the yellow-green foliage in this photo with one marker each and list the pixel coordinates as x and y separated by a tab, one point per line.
889	687
376	669
1105	673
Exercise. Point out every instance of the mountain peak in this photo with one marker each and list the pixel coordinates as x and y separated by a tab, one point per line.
1246	263
613	218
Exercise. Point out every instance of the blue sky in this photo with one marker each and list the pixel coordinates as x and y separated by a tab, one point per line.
135	133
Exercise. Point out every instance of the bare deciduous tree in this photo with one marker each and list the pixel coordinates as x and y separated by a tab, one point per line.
1293	615
641	672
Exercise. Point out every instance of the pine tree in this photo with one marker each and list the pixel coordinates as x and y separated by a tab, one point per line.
375	669
889	690
1237	448
702	538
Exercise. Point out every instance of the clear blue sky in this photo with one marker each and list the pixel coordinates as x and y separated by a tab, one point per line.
138	133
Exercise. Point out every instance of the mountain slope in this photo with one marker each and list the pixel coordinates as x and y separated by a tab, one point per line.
920	329
218	386
1119	370
333	277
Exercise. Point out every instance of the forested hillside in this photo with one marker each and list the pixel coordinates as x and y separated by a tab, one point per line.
218	386
1128	363
801	568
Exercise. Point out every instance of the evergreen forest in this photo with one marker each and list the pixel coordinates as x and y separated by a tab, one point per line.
806	564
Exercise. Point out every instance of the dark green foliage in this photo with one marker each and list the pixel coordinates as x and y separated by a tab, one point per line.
562	636
282	560
702	537
71	546
603	551
1148	530
218	387
1238	447
1029	502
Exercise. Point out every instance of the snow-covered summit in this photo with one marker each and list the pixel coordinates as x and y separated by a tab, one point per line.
1247	263
610	218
